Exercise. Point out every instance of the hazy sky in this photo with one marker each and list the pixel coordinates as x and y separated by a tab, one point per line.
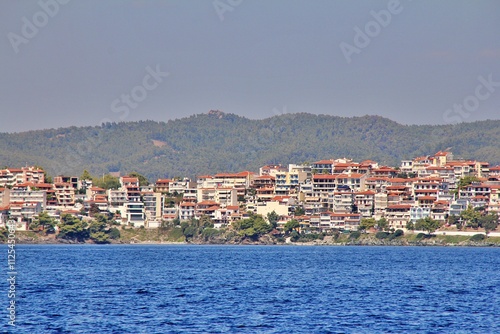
88	61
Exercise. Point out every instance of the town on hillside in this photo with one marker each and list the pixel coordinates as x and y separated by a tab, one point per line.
323	196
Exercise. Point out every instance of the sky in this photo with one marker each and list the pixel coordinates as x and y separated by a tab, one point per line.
84	62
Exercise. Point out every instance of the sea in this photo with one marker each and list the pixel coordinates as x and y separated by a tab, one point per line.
251	289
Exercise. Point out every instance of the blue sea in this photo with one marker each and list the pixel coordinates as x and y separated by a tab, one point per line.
253	289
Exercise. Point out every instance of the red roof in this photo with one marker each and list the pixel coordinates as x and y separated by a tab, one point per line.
323	162
384	169
43	185
15	170
441	154
427	198
399	206
367	192
396	187
279	198
265	189
227	175
398	180
130	179
265	177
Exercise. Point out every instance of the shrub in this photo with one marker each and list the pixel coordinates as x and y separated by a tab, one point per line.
398	233
294	236
114	233
420	236
210	233
381	235
280	239
176	234
478	237
354	235
309	237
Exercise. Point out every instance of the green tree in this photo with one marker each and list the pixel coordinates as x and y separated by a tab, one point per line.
382	224
471	217
86	175
427	224
252	227
367	223
114	233
489	222
45	221
94	210
299	211
243	224
453	220
206	222
261	226
107	182
143	181
273	217
176	221
72	228
250	233
100	237
291	225
410	226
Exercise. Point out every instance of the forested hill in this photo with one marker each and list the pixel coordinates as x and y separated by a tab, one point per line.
218	142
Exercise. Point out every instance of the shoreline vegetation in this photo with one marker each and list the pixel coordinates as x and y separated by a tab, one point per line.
174	236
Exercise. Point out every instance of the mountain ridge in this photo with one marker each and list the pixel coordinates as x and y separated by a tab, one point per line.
224	142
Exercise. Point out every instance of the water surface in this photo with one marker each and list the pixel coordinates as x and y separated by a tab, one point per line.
254	289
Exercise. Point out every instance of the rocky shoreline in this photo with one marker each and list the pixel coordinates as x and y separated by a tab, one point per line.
366	240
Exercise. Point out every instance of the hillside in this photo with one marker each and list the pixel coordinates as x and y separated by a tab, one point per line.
216	142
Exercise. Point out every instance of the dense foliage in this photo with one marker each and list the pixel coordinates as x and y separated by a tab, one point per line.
99	230
225	142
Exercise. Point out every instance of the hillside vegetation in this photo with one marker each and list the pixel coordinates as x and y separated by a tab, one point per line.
218	142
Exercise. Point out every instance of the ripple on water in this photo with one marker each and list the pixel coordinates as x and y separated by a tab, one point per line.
257	289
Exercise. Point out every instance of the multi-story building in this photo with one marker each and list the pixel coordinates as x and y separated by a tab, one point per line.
24	211
116	199
72	180
29	196
365	203
341	201
162	186
398	215
13	176
288	182
153	205
187	210
322	167
65	194
133	213
271	170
